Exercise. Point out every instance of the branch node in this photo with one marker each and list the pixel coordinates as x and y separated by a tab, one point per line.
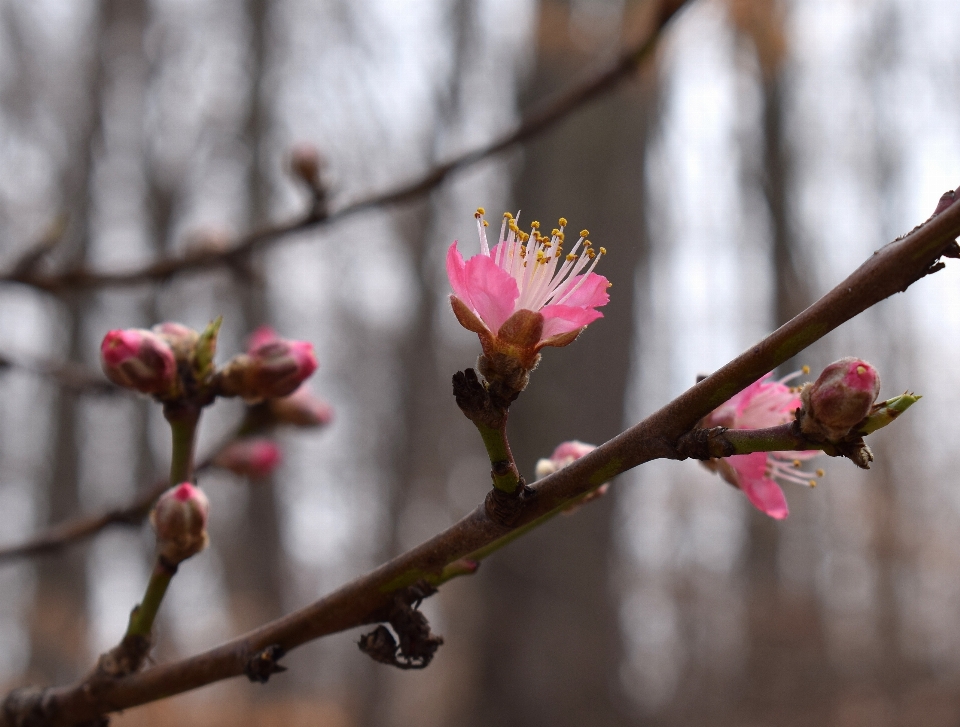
261	666
417	644
504	508
705	444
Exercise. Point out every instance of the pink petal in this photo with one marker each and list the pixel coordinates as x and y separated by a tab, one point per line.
457	274
592	293
492	291
565	318
762	492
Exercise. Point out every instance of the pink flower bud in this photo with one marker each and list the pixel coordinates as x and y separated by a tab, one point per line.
251	457
139	359
840	398
946	199
272	369
182	339
563	455
180	520
301	409
261	336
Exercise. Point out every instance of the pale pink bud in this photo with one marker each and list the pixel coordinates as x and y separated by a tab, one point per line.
139	359
272	369
563	455
301	409
250	457
180	521
840	398
182	339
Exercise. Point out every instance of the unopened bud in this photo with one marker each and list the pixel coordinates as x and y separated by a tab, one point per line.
182	339
250	457
839	399
139	359
261	336
563	455
305	162
180	521
272	369
301	409
946	199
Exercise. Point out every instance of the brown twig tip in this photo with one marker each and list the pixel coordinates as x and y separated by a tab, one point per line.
417	644
264	665
475	402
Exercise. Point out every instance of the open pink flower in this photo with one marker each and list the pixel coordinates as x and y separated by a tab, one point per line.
525	293
763	404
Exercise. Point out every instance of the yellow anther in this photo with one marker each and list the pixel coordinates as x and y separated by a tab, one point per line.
805	369
820	473
584	233
609	284
587	243
796	463
861	370
554	232
547	245
523	252
560	237
486	224
481	211
563	222
591	254
571	257
508	216
603	251
812	483
535	225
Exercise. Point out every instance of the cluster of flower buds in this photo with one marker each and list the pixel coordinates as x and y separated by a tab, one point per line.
272	367
840	398
174	362
180	521
253	457
563	455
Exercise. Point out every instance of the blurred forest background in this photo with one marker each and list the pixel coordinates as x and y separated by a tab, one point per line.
765	152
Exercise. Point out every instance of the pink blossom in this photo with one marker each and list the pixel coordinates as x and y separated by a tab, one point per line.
262	335
180	521
250	457
526	273
139	359
763	404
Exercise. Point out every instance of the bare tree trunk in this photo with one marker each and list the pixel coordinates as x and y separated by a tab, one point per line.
551	647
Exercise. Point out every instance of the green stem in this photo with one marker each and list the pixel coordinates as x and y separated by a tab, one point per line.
142	617
506	476
183	421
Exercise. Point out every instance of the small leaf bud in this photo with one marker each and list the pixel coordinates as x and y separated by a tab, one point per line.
305	163
839	399
250	457
139	359
180	521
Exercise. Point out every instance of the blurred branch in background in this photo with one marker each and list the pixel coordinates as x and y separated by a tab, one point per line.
539	118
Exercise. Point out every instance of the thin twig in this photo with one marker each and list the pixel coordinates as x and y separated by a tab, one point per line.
540	118
72	376
366	600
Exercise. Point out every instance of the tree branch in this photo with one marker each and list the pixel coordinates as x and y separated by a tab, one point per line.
540	118
367	599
